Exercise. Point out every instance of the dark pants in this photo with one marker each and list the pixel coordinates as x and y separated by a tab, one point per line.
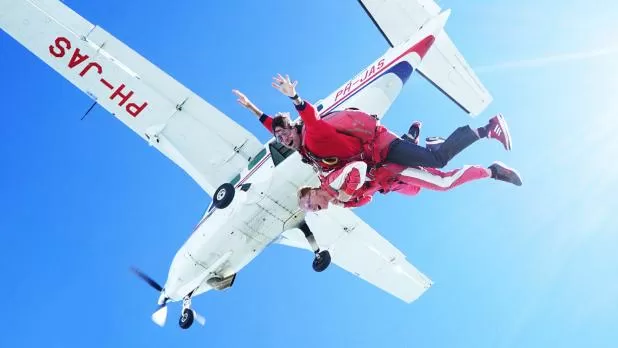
409	154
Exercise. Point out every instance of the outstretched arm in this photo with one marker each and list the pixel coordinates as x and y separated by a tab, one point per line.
288	88
357	202
245	102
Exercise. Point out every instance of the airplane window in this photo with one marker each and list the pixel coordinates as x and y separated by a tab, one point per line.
318	105
279	152
257	158
235	180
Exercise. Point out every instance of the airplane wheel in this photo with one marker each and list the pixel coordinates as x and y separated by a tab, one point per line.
321	261
224	196
186	319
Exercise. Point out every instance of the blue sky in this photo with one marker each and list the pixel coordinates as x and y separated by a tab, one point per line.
530	266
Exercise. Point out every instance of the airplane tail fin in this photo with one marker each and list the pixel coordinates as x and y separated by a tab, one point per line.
446	69
436	24
442	65
427	34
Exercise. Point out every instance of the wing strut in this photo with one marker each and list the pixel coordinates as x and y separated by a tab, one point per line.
89	109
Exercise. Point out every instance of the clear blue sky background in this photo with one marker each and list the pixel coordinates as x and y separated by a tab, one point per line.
533	266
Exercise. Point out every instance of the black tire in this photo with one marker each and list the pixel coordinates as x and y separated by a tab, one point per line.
186	319
321	261
223	196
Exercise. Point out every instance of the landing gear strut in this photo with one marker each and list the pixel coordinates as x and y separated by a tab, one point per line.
322	257
187	315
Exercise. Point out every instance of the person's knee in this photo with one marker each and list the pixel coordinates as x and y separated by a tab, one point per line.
441	162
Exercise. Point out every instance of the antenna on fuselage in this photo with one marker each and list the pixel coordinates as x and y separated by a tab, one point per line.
89	109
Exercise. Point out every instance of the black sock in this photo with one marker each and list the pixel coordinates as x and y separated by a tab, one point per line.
493	172
483	131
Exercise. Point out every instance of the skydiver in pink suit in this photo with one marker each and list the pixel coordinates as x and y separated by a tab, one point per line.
350	187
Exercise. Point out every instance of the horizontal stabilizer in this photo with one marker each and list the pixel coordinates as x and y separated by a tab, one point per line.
444	66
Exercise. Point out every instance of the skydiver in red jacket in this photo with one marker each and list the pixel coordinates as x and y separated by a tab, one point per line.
328	149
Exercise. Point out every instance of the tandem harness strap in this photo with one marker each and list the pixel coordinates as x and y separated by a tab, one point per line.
320	162
331	161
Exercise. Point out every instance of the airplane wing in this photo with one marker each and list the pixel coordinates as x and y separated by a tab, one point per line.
443	66
200	139
360	250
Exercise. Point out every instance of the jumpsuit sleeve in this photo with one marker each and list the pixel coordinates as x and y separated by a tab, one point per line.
307	113
267	122
357	202
371	187
351	178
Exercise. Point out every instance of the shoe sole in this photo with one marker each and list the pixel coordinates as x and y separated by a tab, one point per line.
434	140
505	129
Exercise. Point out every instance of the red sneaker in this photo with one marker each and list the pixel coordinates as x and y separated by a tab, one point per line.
499	130
414	132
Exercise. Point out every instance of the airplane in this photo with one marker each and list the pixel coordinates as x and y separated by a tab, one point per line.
253	185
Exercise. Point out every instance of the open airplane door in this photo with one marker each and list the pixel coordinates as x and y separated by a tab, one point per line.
443	66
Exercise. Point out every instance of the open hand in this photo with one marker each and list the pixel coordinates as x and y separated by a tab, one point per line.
285	85
242	99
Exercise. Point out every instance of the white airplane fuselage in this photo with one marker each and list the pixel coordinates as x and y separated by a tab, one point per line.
256	200
226	240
